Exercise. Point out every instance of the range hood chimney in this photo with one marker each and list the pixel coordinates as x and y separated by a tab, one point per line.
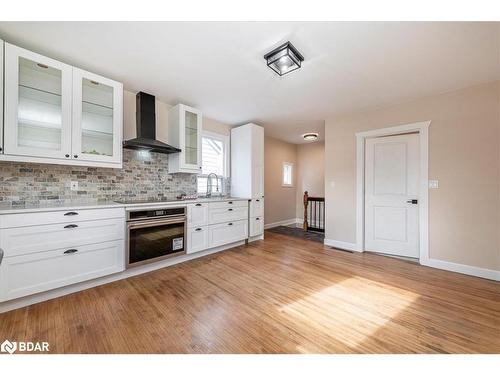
146	127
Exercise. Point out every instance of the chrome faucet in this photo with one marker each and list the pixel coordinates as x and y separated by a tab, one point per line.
209	184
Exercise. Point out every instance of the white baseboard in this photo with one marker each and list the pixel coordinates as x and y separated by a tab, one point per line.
283	222
55	293
462	268
342	245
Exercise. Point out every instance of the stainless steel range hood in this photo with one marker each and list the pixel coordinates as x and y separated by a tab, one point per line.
146	127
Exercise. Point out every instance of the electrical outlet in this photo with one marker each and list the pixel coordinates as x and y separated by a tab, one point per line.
433	184
74	185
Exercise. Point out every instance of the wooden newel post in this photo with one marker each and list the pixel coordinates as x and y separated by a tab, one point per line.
305	210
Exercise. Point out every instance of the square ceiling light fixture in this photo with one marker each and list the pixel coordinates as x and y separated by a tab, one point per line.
284	59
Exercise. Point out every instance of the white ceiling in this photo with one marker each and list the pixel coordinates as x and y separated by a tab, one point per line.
219	67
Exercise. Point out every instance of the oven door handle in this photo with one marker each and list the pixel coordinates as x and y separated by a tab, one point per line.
155	223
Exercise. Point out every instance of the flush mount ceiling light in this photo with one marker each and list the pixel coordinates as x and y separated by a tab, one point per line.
284	59
310	136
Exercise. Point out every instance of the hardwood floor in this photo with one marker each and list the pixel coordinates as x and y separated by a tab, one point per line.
280	295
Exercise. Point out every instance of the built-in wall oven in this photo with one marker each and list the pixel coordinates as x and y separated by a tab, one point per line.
154	234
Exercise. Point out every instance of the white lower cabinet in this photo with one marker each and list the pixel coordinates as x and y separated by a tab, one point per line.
197	239
25	240
47	250
37	272
257	207
223	215
256	226
224	233
197	214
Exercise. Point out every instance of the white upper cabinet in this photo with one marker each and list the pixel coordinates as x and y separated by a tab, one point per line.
37	105
97	118
247	161
58	114
1	96
184	132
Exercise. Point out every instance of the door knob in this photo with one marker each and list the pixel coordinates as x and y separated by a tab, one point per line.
412	201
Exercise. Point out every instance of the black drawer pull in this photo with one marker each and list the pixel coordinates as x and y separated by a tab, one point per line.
229	209
75	156
70	251
70	226
197	229
230	202
257	218
229	223
257	200
71	213
198	204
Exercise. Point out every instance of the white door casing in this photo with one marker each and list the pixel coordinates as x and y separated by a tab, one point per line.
391	183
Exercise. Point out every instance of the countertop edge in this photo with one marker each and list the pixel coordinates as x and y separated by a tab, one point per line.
104	205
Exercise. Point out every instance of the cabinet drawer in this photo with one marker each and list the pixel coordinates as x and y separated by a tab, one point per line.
221	215
197	215
63	216
38	238
228	204
221	234
197	239
38	272
256	226
257	207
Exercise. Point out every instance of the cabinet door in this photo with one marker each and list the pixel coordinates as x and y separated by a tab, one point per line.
33	273
97	118
257	207
222	234
197	214
256	226
197	239
37	105
190	137
1	96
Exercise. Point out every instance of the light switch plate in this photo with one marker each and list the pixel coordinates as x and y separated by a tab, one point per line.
433	184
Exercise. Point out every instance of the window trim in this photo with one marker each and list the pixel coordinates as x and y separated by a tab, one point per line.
286	163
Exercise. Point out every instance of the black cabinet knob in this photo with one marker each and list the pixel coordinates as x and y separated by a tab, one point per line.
70	251
67	155
75	156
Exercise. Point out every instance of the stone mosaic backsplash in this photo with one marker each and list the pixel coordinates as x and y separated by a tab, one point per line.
143	176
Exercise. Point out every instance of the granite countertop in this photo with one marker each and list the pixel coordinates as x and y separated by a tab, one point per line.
44	206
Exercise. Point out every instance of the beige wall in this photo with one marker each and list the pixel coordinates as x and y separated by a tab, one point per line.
463	156
310	173
279	200
129	125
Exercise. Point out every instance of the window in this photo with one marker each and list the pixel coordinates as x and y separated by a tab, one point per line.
214	159
287	174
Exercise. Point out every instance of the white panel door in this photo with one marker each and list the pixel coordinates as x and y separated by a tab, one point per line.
391	195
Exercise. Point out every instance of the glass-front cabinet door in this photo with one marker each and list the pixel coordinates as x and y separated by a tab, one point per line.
97	118
37	105
191	129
